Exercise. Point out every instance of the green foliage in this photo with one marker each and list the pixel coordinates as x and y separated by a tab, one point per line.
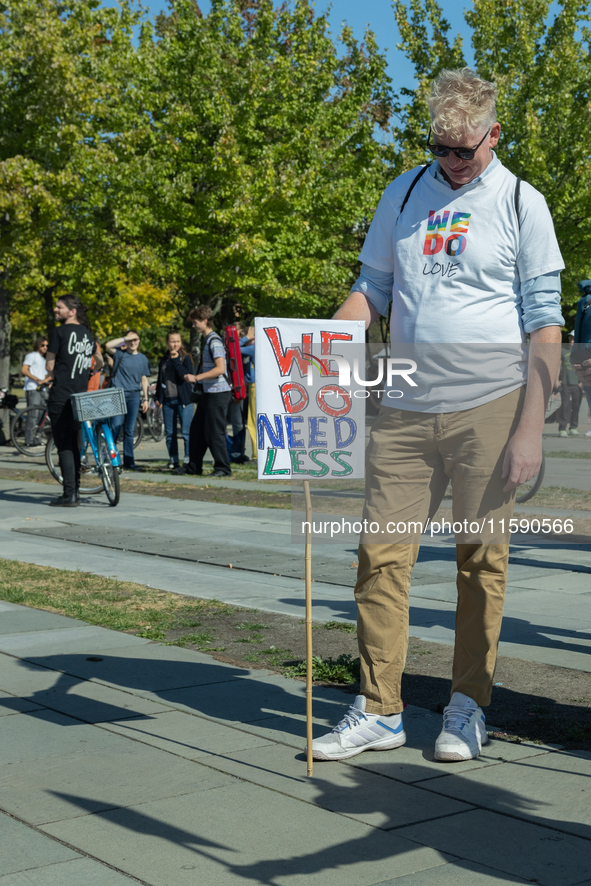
344	669
256	167
225	158
203	639
346	626
233	157
58	99
541	65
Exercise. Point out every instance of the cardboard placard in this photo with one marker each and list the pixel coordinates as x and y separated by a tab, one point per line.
310	412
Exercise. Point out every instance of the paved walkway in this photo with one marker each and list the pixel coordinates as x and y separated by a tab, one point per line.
188	546
126	761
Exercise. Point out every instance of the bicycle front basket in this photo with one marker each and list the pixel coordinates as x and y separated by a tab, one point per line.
93	405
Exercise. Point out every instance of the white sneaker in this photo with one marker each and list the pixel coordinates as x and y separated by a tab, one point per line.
587	433
464	730
358	732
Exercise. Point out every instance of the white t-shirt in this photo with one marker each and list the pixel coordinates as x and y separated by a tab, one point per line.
36	363
458	258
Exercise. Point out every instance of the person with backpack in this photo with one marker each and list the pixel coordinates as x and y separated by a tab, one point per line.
461	252
581	353
571	393
208	428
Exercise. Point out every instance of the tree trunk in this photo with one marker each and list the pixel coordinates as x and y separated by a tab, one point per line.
49	305
5	330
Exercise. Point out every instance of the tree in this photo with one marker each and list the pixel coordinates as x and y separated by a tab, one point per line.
256	166
62	66
541	65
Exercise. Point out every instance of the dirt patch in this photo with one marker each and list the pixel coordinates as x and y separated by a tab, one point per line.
532	701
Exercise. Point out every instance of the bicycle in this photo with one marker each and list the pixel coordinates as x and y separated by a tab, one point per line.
32	424
100	461
138	431
154	417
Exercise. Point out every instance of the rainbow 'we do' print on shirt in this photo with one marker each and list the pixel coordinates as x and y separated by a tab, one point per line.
453	240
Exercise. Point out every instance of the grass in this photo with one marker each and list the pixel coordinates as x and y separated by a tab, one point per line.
121	606
273	655
344	669
346	626
251	626
562	497
566	453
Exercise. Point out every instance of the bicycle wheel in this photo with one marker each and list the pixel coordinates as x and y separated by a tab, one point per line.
155	422
39	431
90	480
138	432
529	489
109	473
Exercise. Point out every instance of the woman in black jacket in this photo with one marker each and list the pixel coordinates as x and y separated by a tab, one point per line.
173	391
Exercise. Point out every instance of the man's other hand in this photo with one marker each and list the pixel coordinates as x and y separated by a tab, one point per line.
144	407
583	371
523	459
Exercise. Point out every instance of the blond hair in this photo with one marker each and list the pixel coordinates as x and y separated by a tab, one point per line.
461	102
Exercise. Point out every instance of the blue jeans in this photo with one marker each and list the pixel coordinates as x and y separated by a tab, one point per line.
171	409
132	400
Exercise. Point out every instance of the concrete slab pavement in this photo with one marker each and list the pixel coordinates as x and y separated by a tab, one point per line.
194	773
547	612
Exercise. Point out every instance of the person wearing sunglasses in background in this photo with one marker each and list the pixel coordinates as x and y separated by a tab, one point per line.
463	255
130	371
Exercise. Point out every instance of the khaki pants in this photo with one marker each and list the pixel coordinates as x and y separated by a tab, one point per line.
411	457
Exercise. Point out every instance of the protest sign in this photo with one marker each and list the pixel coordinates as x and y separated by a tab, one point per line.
309	425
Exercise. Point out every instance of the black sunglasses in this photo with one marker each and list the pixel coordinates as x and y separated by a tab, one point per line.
462	153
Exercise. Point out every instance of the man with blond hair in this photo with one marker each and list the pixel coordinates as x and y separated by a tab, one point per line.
467	257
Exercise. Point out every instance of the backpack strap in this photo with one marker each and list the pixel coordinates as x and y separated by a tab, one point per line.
516	201
410	190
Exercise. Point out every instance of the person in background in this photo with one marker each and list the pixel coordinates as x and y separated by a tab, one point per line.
571	392
131	372
173	391
35	372
247	351
69	355
208	429
96	375
587	392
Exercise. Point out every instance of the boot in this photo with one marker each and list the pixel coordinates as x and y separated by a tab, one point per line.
65	501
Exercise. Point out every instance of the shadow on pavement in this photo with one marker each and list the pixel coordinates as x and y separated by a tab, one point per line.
500	836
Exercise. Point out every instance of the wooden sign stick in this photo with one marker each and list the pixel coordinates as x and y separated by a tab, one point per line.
309	663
